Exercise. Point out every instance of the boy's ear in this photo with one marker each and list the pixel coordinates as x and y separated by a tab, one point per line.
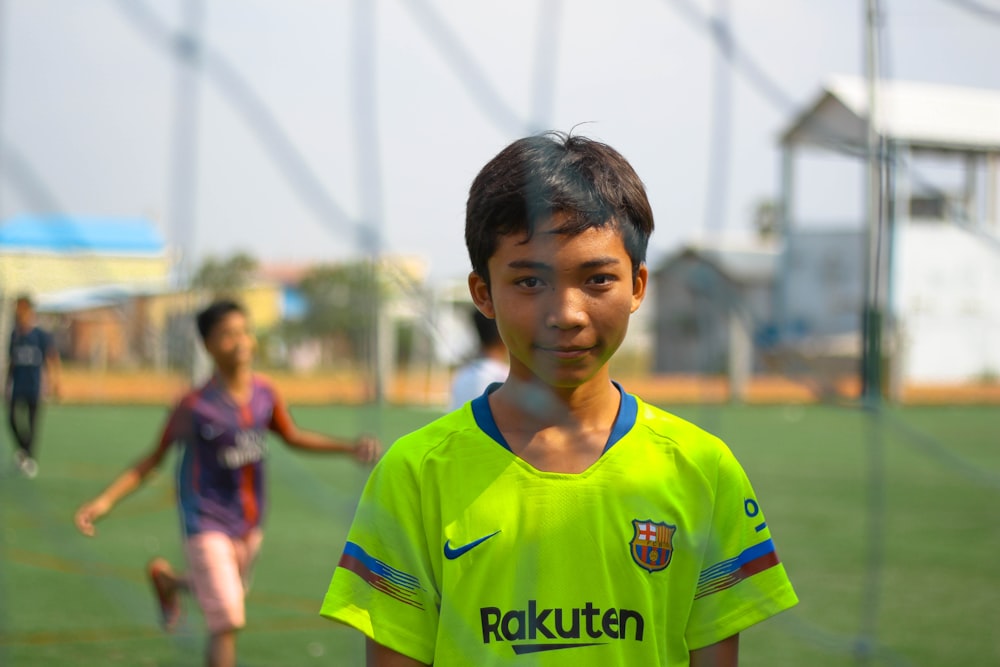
639	286
480	292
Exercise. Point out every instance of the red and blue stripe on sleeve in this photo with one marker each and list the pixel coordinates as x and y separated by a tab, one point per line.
732	571
380	576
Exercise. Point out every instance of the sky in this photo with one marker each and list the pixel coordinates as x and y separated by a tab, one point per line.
323	131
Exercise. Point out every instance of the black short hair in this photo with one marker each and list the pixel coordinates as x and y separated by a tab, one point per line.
213	314
538	176
25	298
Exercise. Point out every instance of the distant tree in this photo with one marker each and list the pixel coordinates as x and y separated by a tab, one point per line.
341	300
227	276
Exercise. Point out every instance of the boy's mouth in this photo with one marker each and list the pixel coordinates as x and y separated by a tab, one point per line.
566	352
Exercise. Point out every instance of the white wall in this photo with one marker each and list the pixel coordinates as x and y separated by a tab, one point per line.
947	296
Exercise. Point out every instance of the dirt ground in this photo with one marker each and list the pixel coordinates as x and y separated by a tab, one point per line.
83	387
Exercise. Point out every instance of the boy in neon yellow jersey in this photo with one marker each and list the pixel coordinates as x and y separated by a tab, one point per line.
557	519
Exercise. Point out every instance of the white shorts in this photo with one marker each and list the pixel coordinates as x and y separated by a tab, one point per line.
219	568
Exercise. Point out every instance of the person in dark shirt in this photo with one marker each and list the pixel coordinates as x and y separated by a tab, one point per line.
31	354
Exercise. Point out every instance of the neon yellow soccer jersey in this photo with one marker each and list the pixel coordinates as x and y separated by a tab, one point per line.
462	554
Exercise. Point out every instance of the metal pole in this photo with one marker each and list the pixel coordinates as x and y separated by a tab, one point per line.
872	317
867	641
184	163
5	323
183	178
4	328
717	185
369	168
786	216
897	198
4	47
992	213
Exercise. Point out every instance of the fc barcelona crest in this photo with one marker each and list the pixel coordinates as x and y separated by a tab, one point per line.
652	544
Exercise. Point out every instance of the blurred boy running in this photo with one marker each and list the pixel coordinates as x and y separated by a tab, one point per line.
221	428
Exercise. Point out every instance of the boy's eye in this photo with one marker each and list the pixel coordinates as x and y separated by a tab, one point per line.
602	279
530	281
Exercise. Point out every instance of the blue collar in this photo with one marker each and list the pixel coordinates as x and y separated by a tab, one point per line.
628	410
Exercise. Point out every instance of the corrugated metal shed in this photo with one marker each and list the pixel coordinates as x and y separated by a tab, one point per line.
745	263
97	296
923	115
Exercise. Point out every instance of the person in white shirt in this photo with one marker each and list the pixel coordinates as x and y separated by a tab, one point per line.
488	366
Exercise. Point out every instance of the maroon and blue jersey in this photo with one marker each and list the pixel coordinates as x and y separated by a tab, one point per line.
221	477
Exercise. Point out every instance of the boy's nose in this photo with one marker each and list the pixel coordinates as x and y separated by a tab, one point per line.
566	309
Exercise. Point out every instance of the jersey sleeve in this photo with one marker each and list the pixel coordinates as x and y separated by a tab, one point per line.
742	581
180	424
281	419
384	583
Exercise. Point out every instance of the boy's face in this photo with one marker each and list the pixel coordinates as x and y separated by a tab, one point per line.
562	303
24	314
230	343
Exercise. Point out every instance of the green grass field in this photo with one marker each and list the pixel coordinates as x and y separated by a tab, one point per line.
924	482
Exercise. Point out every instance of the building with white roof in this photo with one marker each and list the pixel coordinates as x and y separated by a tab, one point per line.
942	190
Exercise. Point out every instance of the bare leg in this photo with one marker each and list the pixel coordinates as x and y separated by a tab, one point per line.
167	584
173	581
222	649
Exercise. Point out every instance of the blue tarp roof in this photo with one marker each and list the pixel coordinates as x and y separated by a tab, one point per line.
61	233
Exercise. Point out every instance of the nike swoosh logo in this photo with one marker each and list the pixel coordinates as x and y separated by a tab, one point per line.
453	553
